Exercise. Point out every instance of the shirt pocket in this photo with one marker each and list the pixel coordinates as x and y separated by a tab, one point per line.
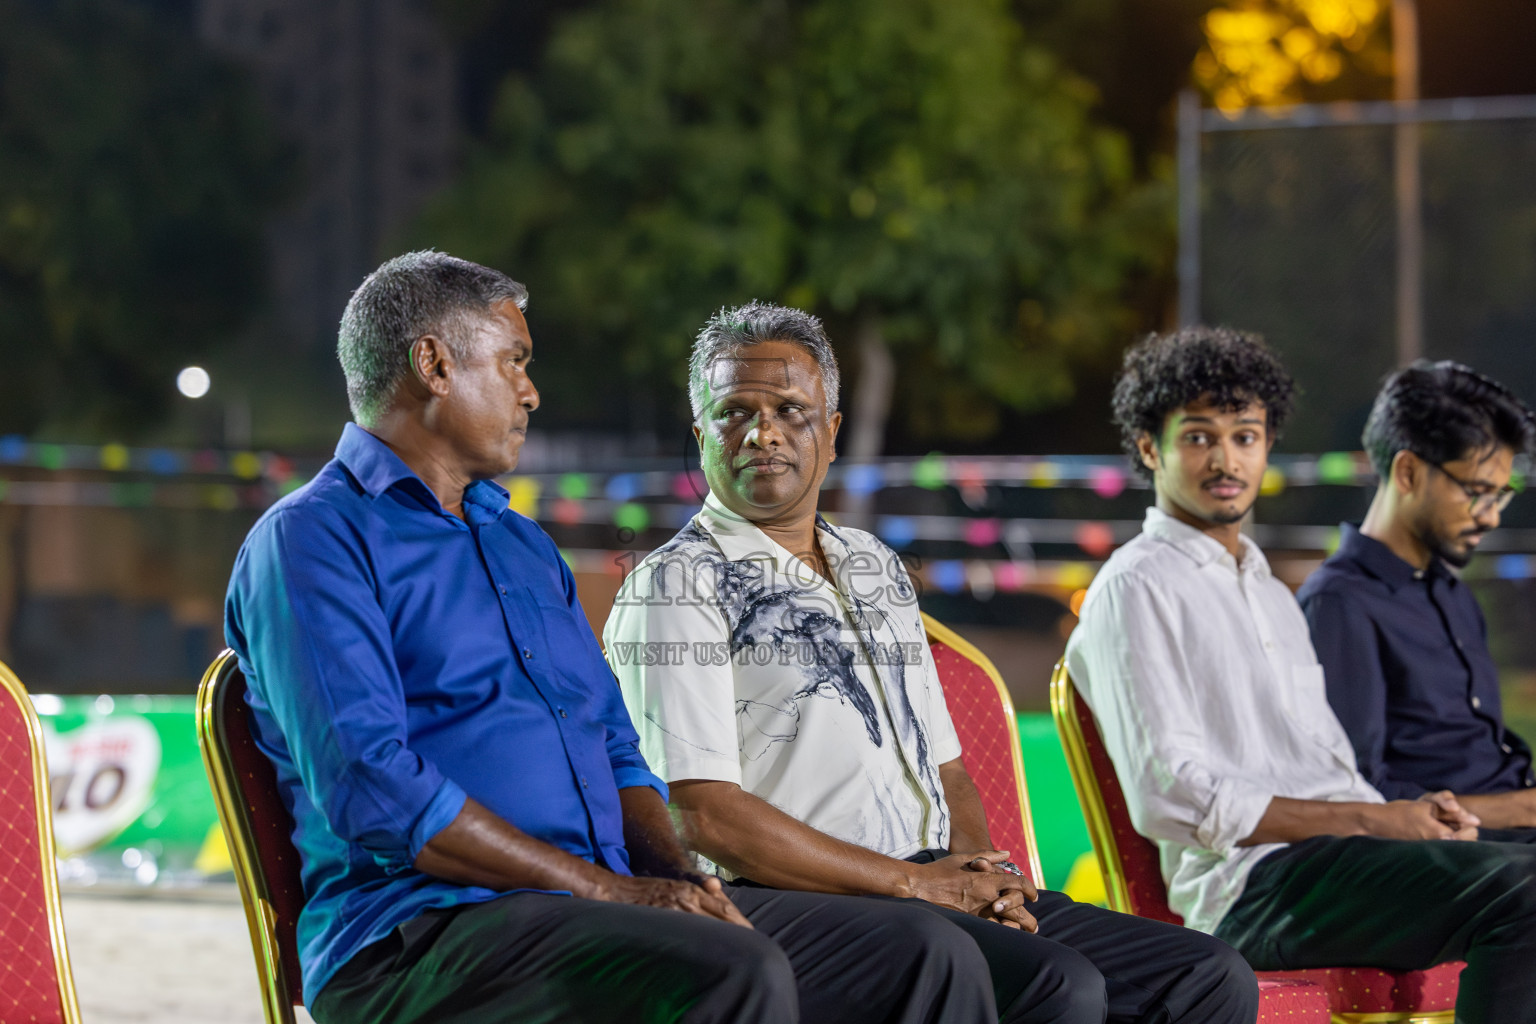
572	660
1310	708
1308	696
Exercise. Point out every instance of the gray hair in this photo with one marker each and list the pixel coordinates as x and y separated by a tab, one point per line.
731	330
408	297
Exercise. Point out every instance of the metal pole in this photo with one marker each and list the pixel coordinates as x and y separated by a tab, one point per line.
1189	208
1409	186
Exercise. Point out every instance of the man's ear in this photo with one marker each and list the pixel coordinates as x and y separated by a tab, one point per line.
1407	471
431	364
1146	447
834	422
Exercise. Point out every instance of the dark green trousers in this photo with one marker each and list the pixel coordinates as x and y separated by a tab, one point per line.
1362	901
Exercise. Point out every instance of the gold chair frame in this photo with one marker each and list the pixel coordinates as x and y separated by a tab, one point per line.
942	633
17	693
276	998
1107	851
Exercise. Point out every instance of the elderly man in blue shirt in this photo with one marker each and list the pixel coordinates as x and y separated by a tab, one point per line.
480	838
1402	641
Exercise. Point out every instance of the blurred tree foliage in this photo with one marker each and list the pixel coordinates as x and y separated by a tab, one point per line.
914	170
135	175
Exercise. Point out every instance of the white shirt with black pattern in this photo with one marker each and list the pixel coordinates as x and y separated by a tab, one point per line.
741	664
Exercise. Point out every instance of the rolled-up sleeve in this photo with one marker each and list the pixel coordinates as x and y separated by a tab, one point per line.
1130	667
668	644
317	651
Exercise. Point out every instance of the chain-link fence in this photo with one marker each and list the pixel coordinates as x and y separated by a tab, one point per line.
1357	235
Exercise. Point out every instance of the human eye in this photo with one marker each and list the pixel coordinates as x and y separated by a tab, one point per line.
1198	438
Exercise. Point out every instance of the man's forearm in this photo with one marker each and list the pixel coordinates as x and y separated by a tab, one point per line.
754	839
1289	821
481	848
967	818
1515	809
1432	816
649	837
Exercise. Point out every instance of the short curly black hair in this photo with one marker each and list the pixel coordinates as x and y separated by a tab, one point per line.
1443	412
1227	368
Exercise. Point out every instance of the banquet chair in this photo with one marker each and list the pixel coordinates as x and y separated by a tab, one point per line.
982	710
1134	881
36	984
259	832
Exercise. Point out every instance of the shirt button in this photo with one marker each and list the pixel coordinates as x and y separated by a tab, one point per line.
1506	748
583	782
564	715
1458	643
1477	702
502	589
527	654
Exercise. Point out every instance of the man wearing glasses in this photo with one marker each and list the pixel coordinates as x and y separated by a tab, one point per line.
1402	641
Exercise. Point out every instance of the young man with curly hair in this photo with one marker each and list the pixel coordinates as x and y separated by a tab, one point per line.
1401	638
1197	664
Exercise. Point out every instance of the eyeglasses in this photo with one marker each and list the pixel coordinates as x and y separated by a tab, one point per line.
1481	502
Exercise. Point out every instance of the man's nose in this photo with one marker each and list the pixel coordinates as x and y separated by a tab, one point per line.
529	399
763	432
1487	519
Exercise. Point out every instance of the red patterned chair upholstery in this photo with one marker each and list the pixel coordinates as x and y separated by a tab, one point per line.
982	712
36	983
983	715
1134	882
259	833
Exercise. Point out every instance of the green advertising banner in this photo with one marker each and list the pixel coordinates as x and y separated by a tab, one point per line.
131	803
130	800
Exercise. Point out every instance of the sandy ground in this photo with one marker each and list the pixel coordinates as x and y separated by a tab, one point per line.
185	960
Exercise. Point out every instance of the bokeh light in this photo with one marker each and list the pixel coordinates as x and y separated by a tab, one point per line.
193	382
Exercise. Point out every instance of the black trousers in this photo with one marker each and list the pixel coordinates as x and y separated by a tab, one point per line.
1091	964
535	958
1403	905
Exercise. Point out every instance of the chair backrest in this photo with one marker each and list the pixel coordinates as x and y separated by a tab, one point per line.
1133	878
982	711
36	983
259	832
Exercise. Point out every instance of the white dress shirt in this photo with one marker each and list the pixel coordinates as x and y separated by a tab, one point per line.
1201	674
741	664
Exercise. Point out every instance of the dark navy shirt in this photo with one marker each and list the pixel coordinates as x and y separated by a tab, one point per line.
1405	659
399	659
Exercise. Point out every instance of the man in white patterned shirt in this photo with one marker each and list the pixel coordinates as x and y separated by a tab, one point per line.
1198	666
776	669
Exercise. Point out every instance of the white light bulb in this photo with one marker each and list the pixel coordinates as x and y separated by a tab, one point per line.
193	382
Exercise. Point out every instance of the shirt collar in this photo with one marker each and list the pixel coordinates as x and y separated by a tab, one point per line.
740	540
377	468
1377	559
1202	548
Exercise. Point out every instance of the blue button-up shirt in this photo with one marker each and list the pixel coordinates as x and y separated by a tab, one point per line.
399	659
1405	659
